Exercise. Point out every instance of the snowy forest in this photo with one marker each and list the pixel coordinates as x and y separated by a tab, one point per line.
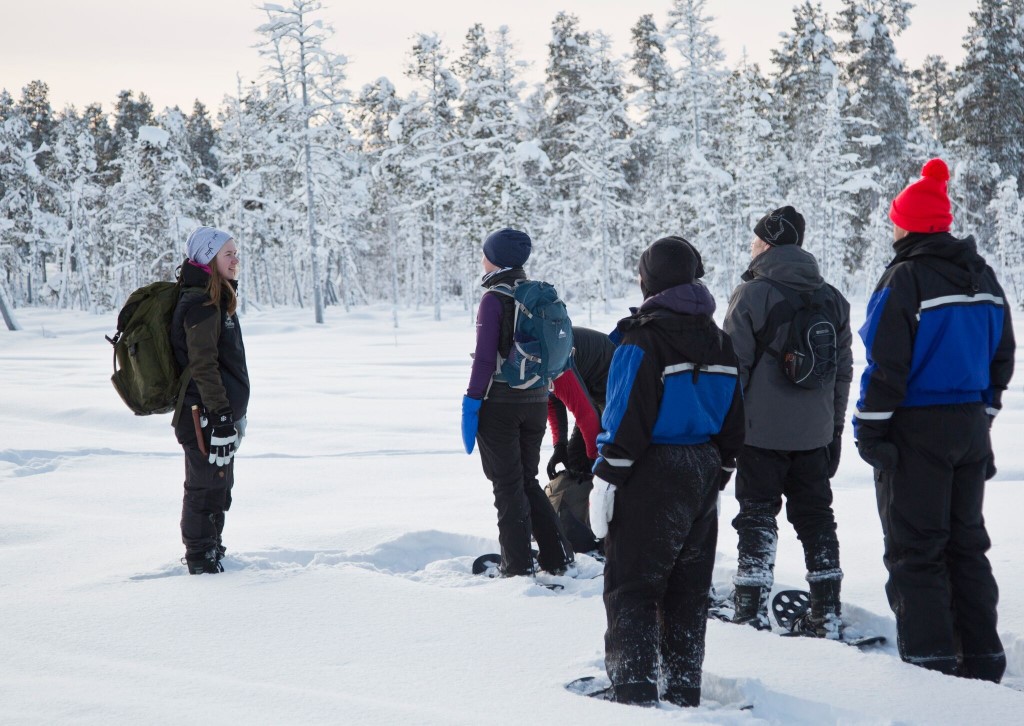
347	197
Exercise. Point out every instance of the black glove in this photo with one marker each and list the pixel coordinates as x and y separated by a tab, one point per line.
880	453
223	437
834	449
990	467
561	456
725	474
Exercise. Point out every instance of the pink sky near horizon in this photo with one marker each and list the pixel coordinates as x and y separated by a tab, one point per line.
176	52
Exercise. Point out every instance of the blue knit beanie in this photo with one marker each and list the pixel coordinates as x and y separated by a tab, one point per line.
508	247
204	244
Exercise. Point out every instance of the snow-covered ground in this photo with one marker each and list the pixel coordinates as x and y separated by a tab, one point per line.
347	596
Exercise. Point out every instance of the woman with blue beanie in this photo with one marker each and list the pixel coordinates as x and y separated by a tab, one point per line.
509	423
207	341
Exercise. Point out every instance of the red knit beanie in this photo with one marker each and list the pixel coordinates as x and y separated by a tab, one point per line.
924	206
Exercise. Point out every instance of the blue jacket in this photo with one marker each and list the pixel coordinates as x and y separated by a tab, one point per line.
673	381
938	331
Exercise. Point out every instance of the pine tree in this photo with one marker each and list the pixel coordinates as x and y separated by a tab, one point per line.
655	142
23	213
432	149
376	113
129	116
695	161
34	107
1007	210
303	72
932	98
201	139
74	180
989	89
750	145
883	128
701	75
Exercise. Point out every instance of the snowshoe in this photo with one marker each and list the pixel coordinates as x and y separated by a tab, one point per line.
489	565
792	607
591	686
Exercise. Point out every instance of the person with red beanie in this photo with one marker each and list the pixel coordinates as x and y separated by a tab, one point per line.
940	350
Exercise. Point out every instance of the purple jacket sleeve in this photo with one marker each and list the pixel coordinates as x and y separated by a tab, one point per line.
485	359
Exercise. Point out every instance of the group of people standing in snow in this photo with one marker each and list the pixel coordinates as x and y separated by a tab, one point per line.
683	404
669	405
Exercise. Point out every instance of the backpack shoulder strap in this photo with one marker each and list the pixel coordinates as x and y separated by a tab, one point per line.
781	312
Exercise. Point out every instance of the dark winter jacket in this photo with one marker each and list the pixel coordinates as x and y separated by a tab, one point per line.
583	385
209	339
673	381
494	322
938	331
780	415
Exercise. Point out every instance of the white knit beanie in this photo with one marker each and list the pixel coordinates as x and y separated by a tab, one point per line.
204	244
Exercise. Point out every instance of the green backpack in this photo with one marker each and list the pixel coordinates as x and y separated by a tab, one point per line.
146	373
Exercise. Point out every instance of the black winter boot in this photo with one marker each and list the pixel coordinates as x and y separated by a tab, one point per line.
683	697
751	606
200	563
822	620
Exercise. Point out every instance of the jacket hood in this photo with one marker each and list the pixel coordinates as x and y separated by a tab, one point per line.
788	264
689	299
192	275
966	266
681	318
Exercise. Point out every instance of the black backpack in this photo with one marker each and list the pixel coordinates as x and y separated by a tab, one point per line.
808	356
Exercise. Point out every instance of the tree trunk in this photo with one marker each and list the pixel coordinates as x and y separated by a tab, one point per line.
7	310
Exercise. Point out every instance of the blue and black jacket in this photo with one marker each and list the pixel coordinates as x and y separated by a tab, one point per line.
938	331
673	381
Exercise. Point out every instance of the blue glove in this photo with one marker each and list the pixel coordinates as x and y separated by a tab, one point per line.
470	420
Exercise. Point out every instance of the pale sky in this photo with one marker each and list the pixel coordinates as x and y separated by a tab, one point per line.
176	51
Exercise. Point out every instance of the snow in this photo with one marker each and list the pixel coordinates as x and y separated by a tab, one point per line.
347	596
153	135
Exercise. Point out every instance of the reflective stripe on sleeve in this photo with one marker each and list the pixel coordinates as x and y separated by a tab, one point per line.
874	415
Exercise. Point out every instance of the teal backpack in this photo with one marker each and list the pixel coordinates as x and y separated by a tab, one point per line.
541	336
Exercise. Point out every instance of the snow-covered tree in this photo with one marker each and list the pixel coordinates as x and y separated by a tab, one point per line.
74	181
989	87
24	218
695	159
1007	210
432	153
304	72
376	114
883	128
823	172
752	152
932	98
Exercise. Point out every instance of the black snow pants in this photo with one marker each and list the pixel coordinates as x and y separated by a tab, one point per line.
763	477
509	438
207	498
941	586
660	553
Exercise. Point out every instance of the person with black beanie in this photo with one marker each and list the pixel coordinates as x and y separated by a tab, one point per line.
793	433
673	425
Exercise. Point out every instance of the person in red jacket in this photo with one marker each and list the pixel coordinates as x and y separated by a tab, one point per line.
580	390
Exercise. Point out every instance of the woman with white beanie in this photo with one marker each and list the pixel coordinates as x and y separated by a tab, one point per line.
207	340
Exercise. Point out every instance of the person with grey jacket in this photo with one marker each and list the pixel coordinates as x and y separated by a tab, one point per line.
793	433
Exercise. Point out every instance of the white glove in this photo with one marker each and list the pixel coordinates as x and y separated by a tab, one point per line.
602	504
